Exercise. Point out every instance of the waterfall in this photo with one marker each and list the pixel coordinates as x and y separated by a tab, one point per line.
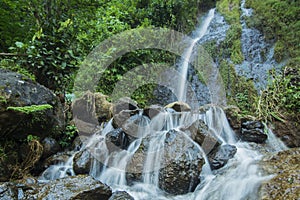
166	141
188	54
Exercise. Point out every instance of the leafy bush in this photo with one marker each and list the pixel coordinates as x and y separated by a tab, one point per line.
281	98
69	134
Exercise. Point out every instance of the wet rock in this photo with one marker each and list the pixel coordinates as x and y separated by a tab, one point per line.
233	115
75	187
152	111
179	106
50	147
288	131
18	91
82	162
200	133
121	195
132	123
135	166
117	139
121	118
183	161
252	125
219	158
124	104
285	184
8	191
58	158
253	131
78	142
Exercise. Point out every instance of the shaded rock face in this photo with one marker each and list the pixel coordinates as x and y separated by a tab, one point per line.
89	111
82	162
288	132
253	131
124	104
17	91
50	147
117	139
285	184
121	195
199	132
183	164
219	158
153	111
76	187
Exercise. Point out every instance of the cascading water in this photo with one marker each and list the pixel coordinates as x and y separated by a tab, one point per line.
163	143
188	54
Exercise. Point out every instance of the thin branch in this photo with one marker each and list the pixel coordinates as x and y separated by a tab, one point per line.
13	54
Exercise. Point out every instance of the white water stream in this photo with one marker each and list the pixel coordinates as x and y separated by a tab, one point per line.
189	52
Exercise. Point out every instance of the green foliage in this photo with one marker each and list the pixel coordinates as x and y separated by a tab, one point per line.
240	91
9	64
59	34
280	99
69	134
3	155
232	44
30	138
3	99
15	23
30	109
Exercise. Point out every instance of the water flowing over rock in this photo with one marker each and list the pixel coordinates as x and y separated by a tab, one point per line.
200	133
183	161
117	138
175	152
82	162
219	158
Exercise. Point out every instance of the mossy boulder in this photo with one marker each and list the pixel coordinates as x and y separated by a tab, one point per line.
27	108
285	166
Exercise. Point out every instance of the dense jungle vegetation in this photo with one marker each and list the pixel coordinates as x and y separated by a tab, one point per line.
47	40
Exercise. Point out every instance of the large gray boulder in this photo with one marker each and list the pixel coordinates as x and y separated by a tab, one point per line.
183	162
75	187
17	90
